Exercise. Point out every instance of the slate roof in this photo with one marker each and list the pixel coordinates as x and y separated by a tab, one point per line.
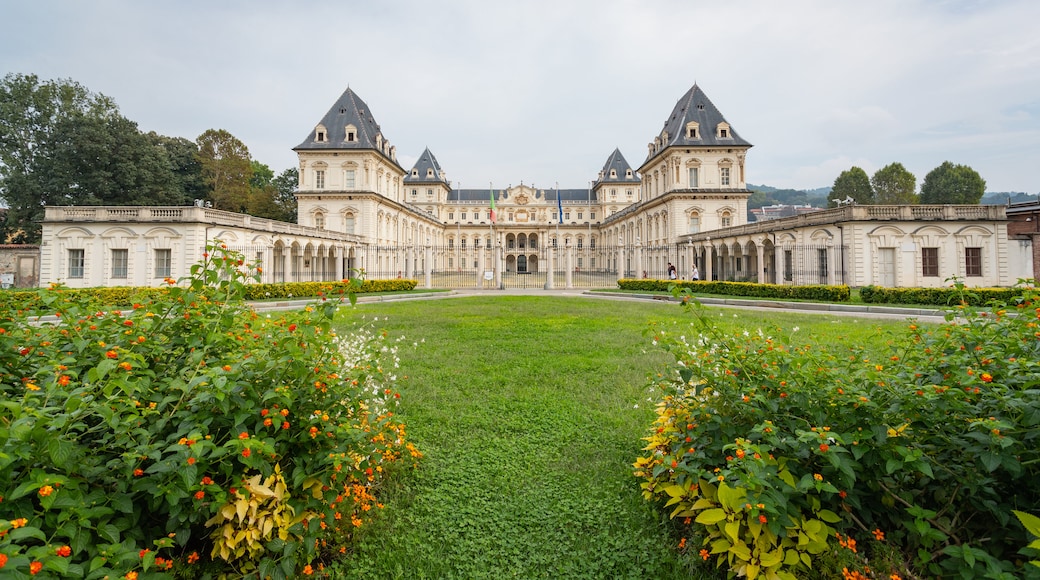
695	106
349	109
617	162
572	196
426	161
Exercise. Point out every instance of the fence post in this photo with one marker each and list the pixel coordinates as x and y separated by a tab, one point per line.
549	268
428	265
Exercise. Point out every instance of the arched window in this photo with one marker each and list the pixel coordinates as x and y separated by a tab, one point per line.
319	220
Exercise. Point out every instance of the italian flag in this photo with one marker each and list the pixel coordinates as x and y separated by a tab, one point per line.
492	206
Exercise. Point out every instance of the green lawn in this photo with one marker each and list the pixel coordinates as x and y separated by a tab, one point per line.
530	411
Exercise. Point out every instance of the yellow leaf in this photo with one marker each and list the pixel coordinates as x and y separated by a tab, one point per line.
770	559
791	558
712	516
241	506
732	530
751	571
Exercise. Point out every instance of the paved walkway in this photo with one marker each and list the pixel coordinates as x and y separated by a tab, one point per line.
855	310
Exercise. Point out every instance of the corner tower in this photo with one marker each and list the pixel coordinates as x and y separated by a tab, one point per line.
426	185
348	168
617	185
698	158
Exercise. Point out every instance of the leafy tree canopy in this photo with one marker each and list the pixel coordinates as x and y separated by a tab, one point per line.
949	183
894	185
226	169
852	183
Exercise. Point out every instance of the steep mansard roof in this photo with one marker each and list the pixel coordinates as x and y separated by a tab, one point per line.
623	172
695	107
349	111
421	171
502	195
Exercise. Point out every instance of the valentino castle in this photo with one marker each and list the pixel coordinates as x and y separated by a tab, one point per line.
685	204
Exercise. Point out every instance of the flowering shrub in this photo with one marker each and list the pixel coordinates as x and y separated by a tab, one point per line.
190	432
780	291
764	446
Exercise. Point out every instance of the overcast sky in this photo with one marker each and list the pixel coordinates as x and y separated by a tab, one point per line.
543	91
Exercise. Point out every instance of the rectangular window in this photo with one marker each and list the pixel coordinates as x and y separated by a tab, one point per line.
554	242
579	215
695	224
725	176
629	192
613	193
319	179
163	263
930	262
348	180
120	261
566	215
556	216
451	243
821	264
476	243
579	261
463	215
415	192
973	262
451	215
76	263
463	244
592	215
727	222
693	177
788	265
429	193
579	243
592	243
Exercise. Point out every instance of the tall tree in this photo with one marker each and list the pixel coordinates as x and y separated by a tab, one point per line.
226	169
852	183
894	185
105	160
184	163
285	185
949	183
30	113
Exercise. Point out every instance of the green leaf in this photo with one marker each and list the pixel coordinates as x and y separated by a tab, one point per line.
1029	521
712	516
27	532
828	516
991	461
109	532
60	451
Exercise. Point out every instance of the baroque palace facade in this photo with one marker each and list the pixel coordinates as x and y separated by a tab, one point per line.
686	204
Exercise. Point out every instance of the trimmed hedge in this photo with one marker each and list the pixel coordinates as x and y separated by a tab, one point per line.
948	296
826	293
29	301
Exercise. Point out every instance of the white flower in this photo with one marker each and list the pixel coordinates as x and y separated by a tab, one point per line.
636	406
795	329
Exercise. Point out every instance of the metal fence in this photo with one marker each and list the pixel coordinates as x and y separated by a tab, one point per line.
456	266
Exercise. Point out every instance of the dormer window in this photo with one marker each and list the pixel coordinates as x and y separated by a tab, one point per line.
319	134
415	173
628	173
351	134
693	130
613	174
722	131
429	173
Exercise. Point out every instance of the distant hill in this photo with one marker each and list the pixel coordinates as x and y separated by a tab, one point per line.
766	195
1003	197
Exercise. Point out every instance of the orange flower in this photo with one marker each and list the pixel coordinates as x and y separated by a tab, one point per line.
284	412
285	425
762	518
682	543
35	567
986	378
226	368
63	380
112	354
193	557
64	551
20	522
268	422
200	495
307	570
246	453
125	366
138	472
817	477
3	560
264	412
243	435
704	554
191	461
879	535
824	447
46	490
131	575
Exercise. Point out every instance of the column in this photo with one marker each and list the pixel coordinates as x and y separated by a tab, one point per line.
286	256
639	260
709	258
428	265
761	263
570	266
479	270
549	265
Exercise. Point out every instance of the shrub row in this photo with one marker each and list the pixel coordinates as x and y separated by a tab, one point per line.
31	301
190	437
949	296
780	456
825	293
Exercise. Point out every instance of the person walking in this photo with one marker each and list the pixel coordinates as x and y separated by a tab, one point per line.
671	272
696	273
